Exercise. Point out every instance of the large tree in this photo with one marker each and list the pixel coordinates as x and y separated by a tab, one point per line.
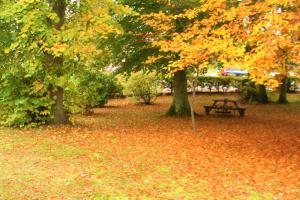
194	38
135	50
261	36
49	39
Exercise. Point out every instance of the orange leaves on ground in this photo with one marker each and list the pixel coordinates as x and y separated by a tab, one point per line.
133	151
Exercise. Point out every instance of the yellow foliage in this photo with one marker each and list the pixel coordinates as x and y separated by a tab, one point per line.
37	86
58	49
263	37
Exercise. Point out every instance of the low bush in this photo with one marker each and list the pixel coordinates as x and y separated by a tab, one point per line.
292	84
89	90
221	83
143	87
24	101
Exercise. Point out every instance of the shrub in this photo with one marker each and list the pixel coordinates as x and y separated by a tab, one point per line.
89	90
24	100
249	92
221	83
292	84
142	86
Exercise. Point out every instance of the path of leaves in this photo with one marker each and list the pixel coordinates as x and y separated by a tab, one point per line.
128	151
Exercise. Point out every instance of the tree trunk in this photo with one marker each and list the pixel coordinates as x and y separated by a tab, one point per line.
180	106
192	104
58	110
283	91
56	65
262	94
59	7
56	92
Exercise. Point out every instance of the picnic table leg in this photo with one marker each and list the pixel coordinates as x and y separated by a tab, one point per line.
242	113
207	111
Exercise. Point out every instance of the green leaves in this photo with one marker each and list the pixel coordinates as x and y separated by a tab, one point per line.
42	44
24	101
141	86
89	89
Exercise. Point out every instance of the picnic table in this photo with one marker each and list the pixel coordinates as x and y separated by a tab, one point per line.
225	106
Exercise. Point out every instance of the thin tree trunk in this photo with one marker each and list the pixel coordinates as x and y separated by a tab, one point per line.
193	116
180	105
283	91
192	106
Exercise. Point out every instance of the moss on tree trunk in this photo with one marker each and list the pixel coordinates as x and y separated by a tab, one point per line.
180	106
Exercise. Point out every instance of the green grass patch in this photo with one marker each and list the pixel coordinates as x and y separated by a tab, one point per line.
55	149
293	98
256	195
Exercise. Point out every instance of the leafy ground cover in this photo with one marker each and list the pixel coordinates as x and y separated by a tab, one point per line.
127	151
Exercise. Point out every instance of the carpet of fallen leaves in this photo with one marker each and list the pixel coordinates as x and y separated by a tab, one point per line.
128	151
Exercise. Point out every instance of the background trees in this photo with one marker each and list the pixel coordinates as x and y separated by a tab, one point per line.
272	39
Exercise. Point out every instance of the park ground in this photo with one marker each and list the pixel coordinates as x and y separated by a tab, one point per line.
128	151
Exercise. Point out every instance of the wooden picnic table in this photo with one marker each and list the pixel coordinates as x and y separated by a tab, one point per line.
225	106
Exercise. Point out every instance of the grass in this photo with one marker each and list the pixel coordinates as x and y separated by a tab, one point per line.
127	151
292	98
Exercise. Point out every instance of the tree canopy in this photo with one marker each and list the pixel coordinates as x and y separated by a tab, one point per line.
43	43
46	41
260	36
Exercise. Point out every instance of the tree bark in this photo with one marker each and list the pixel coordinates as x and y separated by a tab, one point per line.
180	106
58	109
283	91
56	64
262	94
